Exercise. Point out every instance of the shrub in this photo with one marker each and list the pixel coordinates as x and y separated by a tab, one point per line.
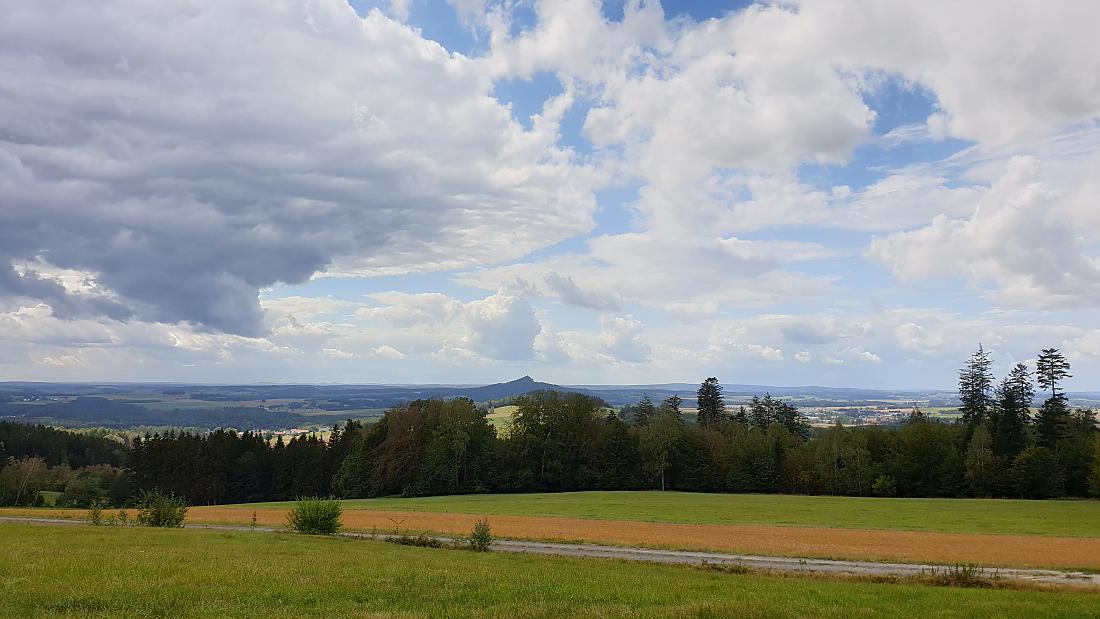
960	575
885	485
481	537
421	540
315	516
161	509
95	512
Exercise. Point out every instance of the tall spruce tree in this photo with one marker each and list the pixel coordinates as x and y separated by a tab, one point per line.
644	411
672	405
1053	419
975	389
1051	368
712	407
1012	412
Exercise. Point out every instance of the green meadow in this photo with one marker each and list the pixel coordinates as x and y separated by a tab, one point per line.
125	572
1071	518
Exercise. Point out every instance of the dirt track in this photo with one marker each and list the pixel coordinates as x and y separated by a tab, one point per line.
774	564
817	543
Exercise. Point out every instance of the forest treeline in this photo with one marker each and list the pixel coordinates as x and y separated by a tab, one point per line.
560	441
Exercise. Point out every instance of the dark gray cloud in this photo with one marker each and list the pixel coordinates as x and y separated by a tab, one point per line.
65	304
187	154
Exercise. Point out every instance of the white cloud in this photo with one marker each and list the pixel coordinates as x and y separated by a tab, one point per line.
389	352
501	327
651	269
569	292
164	167
911	336
336	353
1029	241
621	337
400	9
405	309
198	152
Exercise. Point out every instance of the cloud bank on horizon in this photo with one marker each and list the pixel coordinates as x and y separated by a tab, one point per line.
816	191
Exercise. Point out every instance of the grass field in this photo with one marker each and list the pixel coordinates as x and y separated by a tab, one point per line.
988	516
501	417
86	571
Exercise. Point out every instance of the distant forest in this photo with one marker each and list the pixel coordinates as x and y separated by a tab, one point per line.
104	412
561	441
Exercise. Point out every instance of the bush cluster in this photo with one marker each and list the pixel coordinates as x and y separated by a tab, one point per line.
482	536
161	509
315	516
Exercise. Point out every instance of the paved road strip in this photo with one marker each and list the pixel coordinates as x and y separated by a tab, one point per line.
683	557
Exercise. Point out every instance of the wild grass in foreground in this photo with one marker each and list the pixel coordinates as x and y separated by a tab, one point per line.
1069	518
96	571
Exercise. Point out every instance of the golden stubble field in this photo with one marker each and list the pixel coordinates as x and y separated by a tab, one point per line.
873	544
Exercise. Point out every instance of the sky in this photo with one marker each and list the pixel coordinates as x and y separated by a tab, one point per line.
809	192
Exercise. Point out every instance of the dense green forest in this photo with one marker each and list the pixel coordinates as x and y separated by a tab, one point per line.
560	441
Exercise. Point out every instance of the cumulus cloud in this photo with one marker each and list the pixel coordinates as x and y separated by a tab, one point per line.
621	337
1025	240
501	327
165	168
188	154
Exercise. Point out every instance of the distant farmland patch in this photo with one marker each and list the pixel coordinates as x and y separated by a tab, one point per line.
501	416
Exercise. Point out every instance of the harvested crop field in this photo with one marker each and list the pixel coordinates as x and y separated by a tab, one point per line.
904	546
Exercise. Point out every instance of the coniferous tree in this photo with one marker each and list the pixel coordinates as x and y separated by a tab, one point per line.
711	406
1051	368
644	411
673	405
975	387
760	411
1075	452
1052	421
1094	481
1012	412
741	416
